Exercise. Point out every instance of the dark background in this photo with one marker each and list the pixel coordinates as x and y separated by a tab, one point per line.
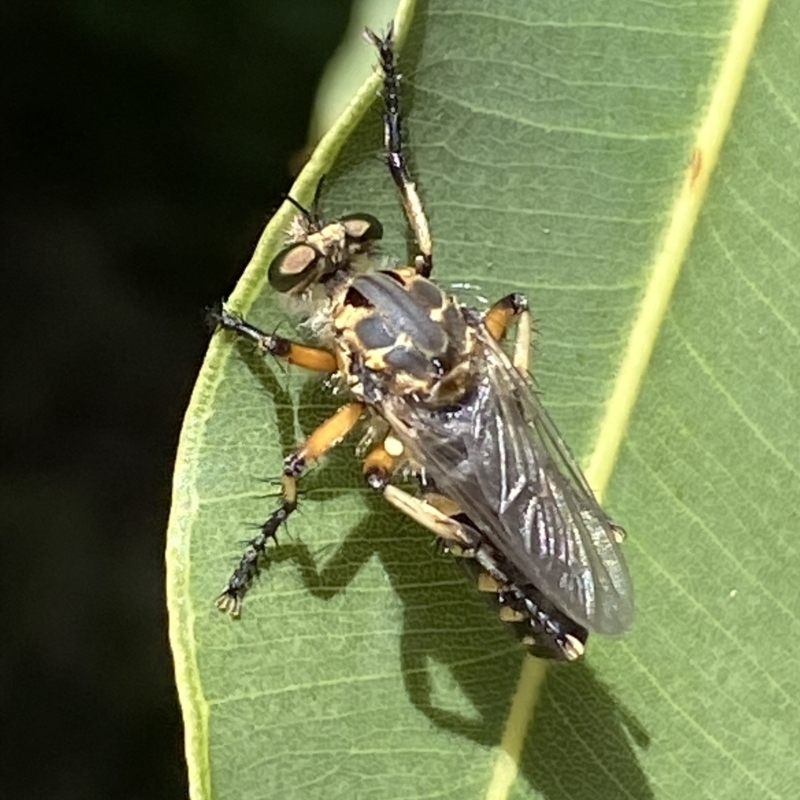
144	147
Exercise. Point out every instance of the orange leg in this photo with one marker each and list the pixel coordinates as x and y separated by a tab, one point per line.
378	467
500	316
382	461
301	355
324	438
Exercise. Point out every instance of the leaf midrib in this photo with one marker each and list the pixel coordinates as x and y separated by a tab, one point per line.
653	307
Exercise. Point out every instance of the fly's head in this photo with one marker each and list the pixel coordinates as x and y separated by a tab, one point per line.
321	251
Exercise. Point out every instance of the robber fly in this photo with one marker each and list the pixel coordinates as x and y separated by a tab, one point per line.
444	401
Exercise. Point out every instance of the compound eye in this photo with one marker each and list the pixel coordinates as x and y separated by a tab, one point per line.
362	228
294	267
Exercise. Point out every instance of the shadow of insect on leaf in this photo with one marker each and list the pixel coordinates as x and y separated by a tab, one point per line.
581	742
580	736
276	390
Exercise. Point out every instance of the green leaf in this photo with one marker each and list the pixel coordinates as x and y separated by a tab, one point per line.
563	150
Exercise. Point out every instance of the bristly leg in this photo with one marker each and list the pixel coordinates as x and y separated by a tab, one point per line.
326	436
230	600
300	355
395	157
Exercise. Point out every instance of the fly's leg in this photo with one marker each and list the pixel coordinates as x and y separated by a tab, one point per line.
300	355
324	438
381	462
500	316
395	157
425	512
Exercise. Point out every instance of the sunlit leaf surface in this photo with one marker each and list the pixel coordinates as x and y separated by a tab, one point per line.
551	141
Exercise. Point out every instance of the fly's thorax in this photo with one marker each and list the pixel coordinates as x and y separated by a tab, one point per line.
318	312
398	333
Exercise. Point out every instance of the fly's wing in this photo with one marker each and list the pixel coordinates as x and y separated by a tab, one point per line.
500	457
